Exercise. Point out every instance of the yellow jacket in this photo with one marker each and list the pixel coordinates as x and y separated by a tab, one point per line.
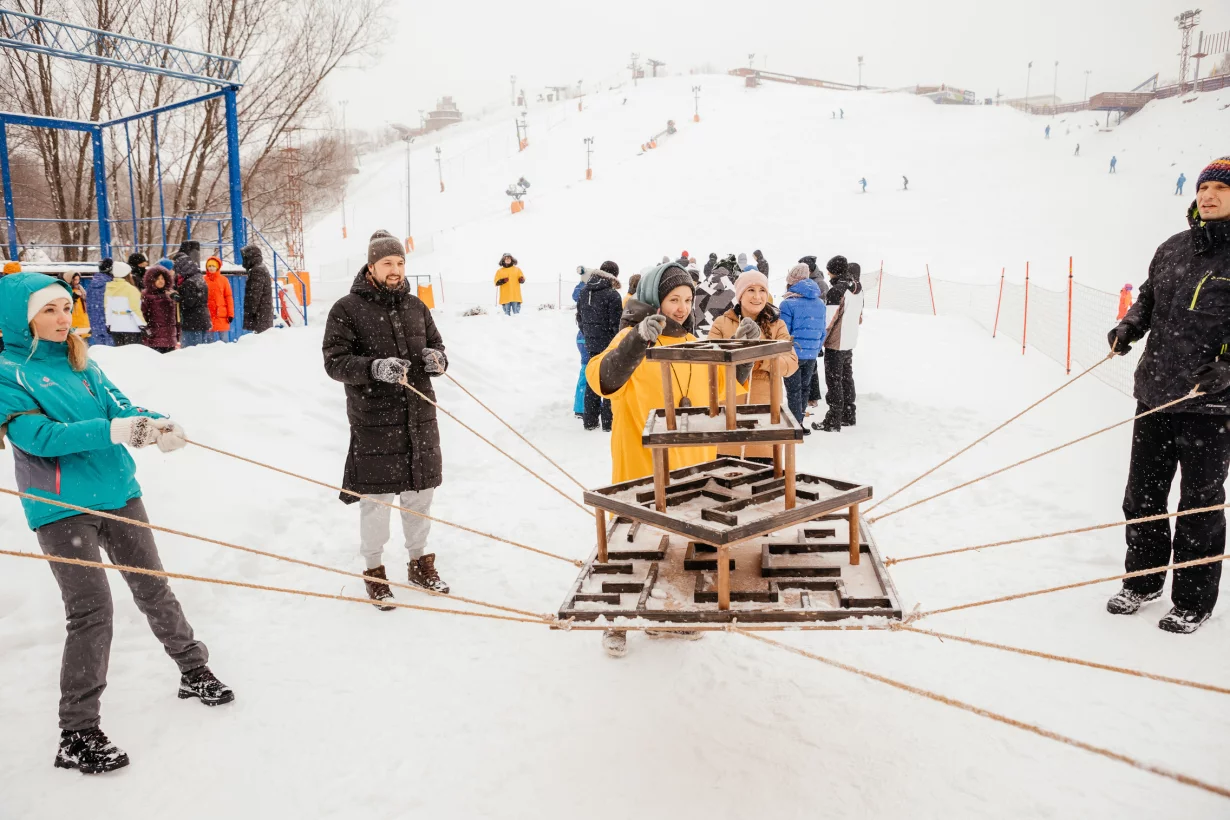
81	320
724	327
118	287
510	291
630	406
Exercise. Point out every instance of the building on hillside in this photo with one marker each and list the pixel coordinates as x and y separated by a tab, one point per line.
946	94
445	114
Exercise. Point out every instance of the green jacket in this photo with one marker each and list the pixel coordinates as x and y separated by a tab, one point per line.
59	420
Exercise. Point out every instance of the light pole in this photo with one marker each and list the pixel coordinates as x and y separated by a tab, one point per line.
1055	90
696	98
1028	70
860	73
346	159
440	168
407	136
513	82
1087	73
589	149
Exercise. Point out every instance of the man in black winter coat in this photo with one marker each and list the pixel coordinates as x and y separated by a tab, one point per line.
257	292
598	310
378	339
709	266
1184	306
195	321
762	264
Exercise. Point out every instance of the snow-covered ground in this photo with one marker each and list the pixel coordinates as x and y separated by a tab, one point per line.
344	711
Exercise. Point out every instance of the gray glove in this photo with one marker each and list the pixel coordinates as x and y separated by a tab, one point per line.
748	331
390	370
434	362
135	431
651	327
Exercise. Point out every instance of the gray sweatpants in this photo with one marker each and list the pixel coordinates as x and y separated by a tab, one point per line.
88	608
374	525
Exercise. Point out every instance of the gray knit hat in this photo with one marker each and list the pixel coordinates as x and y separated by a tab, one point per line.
383	244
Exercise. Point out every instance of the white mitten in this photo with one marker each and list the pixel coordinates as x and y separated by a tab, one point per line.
135	431
171	436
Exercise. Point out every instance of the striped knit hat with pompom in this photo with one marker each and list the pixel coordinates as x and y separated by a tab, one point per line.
1216	171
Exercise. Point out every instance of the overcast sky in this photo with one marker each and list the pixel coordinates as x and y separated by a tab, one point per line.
470	49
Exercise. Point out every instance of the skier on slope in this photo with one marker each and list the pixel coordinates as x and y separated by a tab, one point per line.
1184	307
599	309
1048	132
376	337
68	424
863	182
1113	162
1178	186
905	182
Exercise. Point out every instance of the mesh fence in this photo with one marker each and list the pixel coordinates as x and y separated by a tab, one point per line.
1069	326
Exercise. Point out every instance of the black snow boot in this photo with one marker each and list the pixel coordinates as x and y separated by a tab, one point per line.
378	590
201	683
1127	602
89	752
1183	621
422	573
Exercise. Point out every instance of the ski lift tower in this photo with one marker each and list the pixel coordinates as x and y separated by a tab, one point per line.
1187	21
52	38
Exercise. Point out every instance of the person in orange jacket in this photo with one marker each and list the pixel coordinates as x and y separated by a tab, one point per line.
221	300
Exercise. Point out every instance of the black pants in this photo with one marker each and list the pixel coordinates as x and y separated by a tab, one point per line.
839	379
814	394
122	339
596	407
1199	445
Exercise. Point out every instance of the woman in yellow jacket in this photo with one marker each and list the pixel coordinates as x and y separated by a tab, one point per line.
758	319
123	311
509	279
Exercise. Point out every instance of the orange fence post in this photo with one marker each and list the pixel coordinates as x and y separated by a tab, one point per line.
1025	323
998	302
880	285
1069	361
931	290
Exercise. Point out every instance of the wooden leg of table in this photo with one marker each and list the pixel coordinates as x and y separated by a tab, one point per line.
600	518
854	535
790	496
777	461
775	390
730	397
713	391
723	579
668	393
661	475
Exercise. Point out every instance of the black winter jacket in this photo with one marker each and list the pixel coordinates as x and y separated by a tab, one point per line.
598	310
193	295
1185	302
257	292
394	437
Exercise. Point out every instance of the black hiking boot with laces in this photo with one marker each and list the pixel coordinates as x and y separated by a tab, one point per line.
89	752
201	683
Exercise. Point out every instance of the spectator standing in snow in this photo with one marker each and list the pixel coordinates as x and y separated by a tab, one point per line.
1178	186
509	279
752	318
683	259
598	316
221	300
96	304
137	263
376	337
1184	307
843	113
578	396
744	265
762	264
815	274
804	313
632	283
846	295
68	425
863	182
710	264
159	304
81	319
714	296
193	292
1078	150
1113	162
257	291
125	322
905	182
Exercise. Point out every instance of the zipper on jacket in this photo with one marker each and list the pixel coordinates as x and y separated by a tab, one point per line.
1200	285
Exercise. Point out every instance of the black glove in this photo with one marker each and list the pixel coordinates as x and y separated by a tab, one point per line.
521	280
501	282
1213	377
391	371
1121	338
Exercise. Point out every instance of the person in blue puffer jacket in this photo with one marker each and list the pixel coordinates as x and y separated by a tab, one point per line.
805	316
68	425
96	304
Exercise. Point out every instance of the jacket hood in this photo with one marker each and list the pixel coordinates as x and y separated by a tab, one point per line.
806	288
600	280
636	311
252	256
362	286
511	264
15	291
151	274
218	272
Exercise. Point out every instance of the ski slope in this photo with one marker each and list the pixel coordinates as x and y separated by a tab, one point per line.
345	712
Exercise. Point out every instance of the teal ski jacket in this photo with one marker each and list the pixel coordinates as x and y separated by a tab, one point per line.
59	420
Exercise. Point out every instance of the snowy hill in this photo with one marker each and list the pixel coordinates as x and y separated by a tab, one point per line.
344	712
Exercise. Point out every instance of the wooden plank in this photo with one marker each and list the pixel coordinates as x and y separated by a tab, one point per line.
791	498
668	395
693	564
725	351
612	569
600	519
598	598
650	580
775	390
731	404
723	578
854	536
713	391
660	460
770	570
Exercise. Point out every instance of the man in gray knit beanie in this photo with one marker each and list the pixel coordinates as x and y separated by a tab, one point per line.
383	244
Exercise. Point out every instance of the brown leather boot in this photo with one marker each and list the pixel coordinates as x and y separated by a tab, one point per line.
422	573
376	590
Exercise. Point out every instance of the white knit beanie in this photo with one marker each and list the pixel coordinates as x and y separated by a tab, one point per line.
43	297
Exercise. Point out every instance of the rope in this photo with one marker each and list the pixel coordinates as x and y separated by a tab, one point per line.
570	626
495	446
223	582
986	713
375	500
146	525
1138	573
943	636
990	433
1195	392
888	562
500	419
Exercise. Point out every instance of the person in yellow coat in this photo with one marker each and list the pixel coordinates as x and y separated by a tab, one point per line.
509	279
757	319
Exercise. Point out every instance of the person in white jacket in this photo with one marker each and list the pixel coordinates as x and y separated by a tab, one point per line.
846	294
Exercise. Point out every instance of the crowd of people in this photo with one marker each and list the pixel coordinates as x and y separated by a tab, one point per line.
168	305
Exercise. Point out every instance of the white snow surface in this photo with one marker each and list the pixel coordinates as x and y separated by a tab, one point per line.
343	711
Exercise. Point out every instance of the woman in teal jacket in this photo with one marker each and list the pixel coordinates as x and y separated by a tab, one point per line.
68	424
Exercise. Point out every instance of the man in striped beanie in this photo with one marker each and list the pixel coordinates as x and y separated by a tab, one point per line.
1185	302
